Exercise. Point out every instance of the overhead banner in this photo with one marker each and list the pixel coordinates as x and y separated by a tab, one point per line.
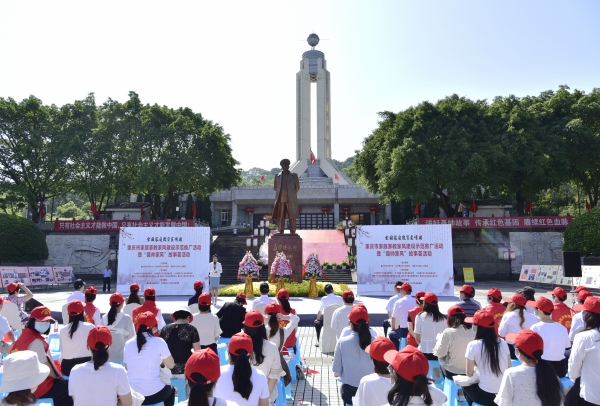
418	254
167	259
502	222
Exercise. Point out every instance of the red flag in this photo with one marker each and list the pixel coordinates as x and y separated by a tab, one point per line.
262	178
336	177
528	208
142	210
417	209
313	159
587	206
42	211
473	208
193	209
93	209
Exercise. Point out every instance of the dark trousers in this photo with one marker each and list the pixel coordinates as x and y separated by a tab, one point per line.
348	392
105	283
448	374
386	326
166	394
396	335
59	392
318	327
572	398
67	364
475	394
212	346
560	367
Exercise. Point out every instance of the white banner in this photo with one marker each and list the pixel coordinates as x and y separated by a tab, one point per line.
167	259
418	254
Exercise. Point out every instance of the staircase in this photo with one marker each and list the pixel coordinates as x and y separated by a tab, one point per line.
337	276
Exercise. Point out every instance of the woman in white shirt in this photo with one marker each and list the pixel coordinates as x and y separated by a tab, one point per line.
239	382
428	324
452	343
202	371
99	382
73	338
144	356
276	334
534	382
515	319
214	273
120	326
492	357
373	388
409	379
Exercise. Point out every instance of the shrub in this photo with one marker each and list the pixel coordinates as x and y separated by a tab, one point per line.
22	240
295	289
583	234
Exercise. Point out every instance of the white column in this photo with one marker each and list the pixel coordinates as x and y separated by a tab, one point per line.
323	113
303	112
234	210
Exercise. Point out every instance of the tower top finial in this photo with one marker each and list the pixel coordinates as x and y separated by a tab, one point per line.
313	40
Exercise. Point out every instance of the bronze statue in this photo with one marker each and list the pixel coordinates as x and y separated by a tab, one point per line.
286	197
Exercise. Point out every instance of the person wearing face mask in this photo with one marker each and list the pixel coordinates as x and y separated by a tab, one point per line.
54	386
214	272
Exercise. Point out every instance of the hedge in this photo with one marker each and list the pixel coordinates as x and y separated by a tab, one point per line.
583	234
22	240
295	289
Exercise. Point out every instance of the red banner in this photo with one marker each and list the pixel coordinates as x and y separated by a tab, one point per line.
115	225
502	222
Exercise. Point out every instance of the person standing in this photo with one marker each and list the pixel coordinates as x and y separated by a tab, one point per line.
329	299
231	316
286	188
106	276
13	296
214	273
400	315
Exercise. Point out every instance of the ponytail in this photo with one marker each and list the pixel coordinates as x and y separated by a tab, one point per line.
133	297
141	339
402	390
285	303
112	313
198	390
74	320
258	334
274	325
548	387
364	334
99	355
242	371
490	350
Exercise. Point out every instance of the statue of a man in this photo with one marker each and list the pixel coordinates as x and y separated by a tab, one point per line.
286	197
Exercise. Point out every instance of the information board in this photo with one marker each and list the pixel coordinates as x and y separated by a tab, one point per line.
63	274
16	274
41	275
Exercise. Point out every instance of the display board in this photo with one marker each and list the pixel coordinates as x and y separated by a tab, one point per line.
547	274
63	274
16	274
418	254
167	259
41	275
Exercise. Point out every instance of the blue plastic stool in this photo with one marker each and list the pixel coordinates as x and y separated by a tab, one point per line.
439	382
45	401
179	384
223	340
566	383
223	354
288	392
292	367
515	362
402	342
281	400
451	392
297	355
118	362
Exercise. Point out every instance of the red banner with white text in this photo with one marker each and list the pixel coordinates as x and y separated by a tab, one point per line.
501	222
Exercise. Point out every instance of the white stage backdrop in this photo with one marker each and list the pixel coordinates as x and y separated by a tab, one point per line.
168	259
418	254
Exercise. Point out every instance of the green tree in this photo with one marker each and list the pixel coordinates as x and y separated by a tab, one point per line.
22	240
583	234
70	211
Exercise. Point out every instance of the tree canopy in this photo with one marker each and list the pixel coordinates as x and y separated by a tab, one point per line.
22	240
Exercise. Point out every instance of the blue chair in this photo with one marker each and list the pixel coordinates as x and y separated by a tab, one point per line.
451	392
566	383
45	402
118	362
224	340
179	384
292	367
402	342
288	392
439	381
515	362
223	353
281	400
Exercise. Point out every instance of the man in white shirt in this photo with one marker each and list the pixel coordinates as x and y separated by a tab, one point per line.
400	314
78	293
339	318
106	275
264	299
387	323
329	299
577	323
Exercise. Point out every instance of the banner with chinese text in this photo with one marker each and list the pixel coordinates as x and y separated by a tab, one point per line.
501	222
417	254
115	225
169	259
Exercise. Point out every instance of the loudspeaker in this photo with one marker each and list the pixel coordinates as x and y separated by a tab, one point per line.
572	264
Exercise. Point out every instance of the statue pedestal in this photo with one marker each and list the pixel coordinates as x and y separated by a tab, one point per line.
291	245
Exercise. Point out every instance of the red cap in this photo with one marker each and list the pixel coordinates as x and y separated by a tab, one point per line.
455	310
99	334
240	341
527	341
468	289
204	300
591	304
495	293
91	290
12	287
419	295
579	289
204	362
273	308
358	312
406	287
283	293
134	286
74	308
559	292
378	347
116	298
542	303
517	299
254	318
198	284
430	298
583	294
41	313
408	362
347	294
481	318
241	296
1	300
146	318
150	292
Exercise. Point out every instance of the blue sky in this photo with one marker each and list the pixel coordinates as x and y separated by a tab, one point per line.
235	61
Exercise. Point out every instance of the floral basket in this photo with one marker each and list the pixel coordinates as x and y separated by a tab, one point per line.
280	270
249	269
312	267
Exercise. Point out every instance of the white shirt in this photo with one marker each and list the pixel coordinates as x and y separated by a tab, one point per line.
330	299
339	319
437	397
75	347
143	368
224	387
4	326
373	390
556	340
77	295
122	330
346	331
518	387
584	361
271	365
401	308
429	330
389	307
488	381
262	301
287	330
577	325
99	388
208	327
107	273
215	270
511	323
